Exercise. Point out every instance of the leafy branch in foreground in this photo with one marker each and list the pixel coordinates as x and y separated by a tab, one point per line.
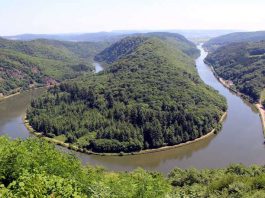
35	168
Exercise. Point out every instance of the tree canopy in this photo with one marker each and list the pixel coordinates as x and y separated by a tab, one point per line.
149	96
35	168
243	64
43	62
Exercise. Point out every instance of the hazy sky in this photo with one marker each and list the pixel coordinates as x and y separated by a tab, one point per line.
64	16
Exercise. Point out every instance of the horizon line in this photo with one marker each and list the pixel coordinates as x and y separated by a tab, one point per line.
129	30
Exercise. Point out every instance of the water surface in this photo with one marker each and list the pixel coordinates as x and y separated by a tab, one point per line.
98	67
11	111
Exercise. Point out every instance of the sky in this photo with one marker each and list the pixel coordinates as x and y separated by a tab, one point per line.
79	16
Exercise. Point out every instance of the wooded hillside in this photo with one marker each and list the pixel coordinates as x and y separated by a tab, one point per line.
149	96
43	62
243	64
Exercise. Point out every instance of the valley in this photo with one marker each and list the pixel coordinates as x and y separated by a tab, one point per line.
29	64
140	61
239	65
202	154
132	99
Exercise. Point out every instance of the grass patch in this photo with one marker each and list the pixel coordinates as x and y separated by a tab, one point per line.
61	138
84	140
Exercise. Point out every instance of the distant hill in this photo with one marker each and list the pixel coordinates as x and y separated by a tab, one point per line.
214	43
28	63
28	60
148	96
91	37
116	35
193	34
244	64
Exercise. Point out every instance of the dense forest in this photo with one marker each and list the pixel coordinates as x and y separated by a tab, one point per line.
24	64
30	168
235	37
243	64
148	96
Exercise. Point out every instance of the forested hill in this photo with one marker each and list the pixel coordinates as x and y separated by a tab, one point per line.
216	42
149	96
175	39
128	45
120	49
243	64
27	63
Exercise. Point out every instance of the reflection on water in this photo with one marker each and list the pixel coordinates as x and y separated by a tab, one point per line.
240	140
151	161
11	110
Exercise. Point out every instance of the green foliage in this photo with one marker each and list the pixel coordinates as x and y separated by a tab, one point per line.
129	44
150	96
23	64
233	181
36	184
243	64
115	51
174	39
34	168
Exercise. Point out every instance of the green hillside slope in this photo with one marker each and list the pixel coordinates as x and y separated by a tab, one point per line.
27	63
216	42
243	64
128	45
150	96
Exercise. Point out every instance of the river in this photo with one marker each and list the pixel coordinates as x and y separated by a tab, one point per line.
239	141
98	67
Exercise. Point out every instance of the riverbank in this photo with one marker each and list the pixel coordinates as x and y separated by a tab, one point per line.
258	106
75	148
262	115
19	92
9	96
